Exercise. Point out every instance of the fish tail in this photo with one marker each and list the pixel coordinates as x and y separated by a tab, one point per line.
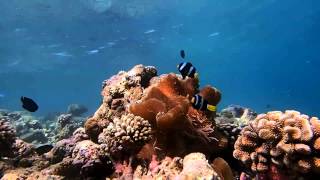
212	108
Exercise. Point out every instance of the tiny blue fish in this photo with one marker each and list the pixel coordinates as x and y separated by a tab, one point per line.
199	103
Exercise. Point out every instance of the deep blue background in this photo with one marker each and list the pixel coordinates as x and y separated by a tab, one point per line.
262	54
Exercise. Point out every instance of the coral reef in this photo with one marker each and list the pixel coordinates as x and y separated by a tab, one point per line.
147	128
66	124
286	140
192	166
232	119
49	129
7	136
179	128
92	163
118	92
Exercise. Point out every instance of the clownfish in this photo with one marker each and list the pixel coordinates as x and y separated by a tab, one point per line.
199	103
186	68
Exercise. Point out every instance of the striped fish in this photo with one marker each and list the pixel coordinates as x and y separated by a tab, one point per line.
186	68
199	103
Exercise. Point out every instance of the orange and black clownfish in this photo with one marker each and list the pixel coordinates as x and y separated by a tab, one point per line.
199	103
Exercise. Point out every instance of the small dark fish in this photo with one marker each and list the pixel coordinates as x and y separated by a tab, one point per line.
43	148
198	102
29	104
187	69
182	54
268	106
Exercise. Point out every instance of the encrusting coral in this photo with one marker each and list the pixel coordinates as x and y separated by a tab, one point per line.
289	141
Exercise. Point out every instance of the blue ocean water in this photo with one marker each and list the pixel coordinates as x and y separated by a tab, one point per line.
261	54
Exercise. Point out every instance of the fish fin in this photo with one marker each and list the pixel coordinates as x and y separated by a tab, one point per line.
192	100
211	108
182	54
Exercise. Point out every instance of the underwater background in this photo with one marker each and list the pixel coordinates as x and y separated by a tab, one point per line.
260	54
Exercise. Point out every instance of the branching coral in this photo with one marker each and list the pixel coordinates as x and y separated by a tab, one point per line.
288	140
125	134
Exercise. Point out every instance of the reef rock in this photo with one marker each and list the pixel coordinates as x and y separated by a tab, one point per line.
192	166
232	119
7	136
118	93
65	125
288	141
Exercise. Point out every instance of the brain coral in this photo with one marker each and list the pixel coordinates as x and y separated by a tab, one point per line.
125	133
289	140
